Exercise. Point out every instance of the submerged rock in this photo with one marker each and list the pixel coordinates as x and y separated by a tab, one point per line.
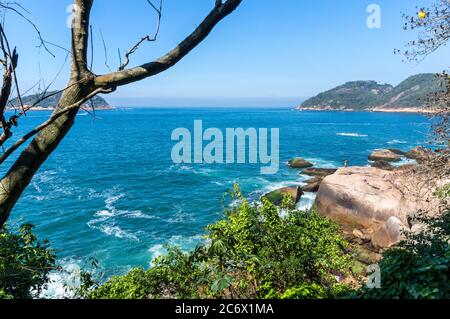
276	196
313	185
384	155
299	162
319	171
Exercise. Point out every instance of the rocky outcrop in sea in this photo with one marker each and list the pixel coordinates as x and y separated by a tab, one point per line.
374	204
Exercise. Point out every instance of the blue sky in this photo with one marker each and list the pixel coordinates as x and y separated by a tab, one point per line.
267	53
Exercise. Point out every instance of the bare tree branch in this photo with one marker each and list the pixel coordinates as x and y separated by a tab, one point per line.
51	120
105	50
127	76
146	38
84	85
10	7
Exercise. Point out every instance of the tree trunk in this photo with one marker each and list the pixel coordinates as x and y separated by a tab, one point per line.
30	160
82	84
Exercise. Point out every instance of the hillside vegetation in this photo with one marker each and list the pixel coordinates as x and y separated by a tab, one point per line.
52	101
367	95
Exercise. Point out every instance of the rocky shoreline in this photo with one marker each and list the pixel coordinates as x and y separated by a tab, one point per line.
374	204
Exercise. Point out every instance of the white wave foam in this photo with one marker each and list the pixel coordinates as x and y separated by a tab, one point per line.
352	135
156	251
137	214
186	242
198	170
182	167
275	186
404	161
40	198
235	203
179	217
46	176
307	201
56	287
117	232
111	200
36	187
318	162
104	213
61	280
397	142
52	184
205	171
106	220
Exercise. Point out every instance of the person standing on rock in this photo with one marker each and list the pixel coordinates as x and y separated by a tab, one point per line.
345	163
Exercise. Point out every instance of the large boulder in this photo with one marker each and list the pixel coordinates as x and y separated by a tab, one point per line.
361	196
389	234
367	198
276	196
313	171
299	162
385	155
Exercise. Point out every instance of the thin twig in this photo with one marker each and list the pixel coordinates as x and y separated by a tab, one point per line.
146	38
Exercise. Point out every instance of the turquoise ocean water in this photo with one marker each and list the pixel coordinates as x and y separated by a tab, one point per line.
112	192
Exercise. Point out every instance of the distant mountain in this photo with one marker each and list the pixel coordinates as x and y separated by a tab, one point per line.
369	95
412	92
98	102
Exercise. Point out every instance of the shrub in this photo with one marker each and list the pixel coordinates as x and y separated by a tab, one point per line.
25	263
252	253
419	267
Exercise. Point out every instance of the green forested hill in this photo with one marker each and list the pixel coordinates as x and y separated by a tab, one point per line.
51	102
412	92
363	95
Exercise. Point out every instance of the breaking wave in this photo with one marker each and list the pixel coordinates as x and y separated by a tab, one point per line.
352	135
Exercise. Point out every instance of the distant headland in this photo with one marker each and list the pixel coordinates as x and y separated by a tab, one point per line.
409	96
48	104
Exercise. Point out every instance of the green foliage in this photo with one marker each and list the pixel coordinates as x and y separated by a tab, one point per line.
131	286
444	192
419	267
252	253
313	291
25	263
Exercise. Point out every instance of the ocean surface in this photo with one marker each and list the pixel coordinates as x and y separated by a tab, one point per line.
111	191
